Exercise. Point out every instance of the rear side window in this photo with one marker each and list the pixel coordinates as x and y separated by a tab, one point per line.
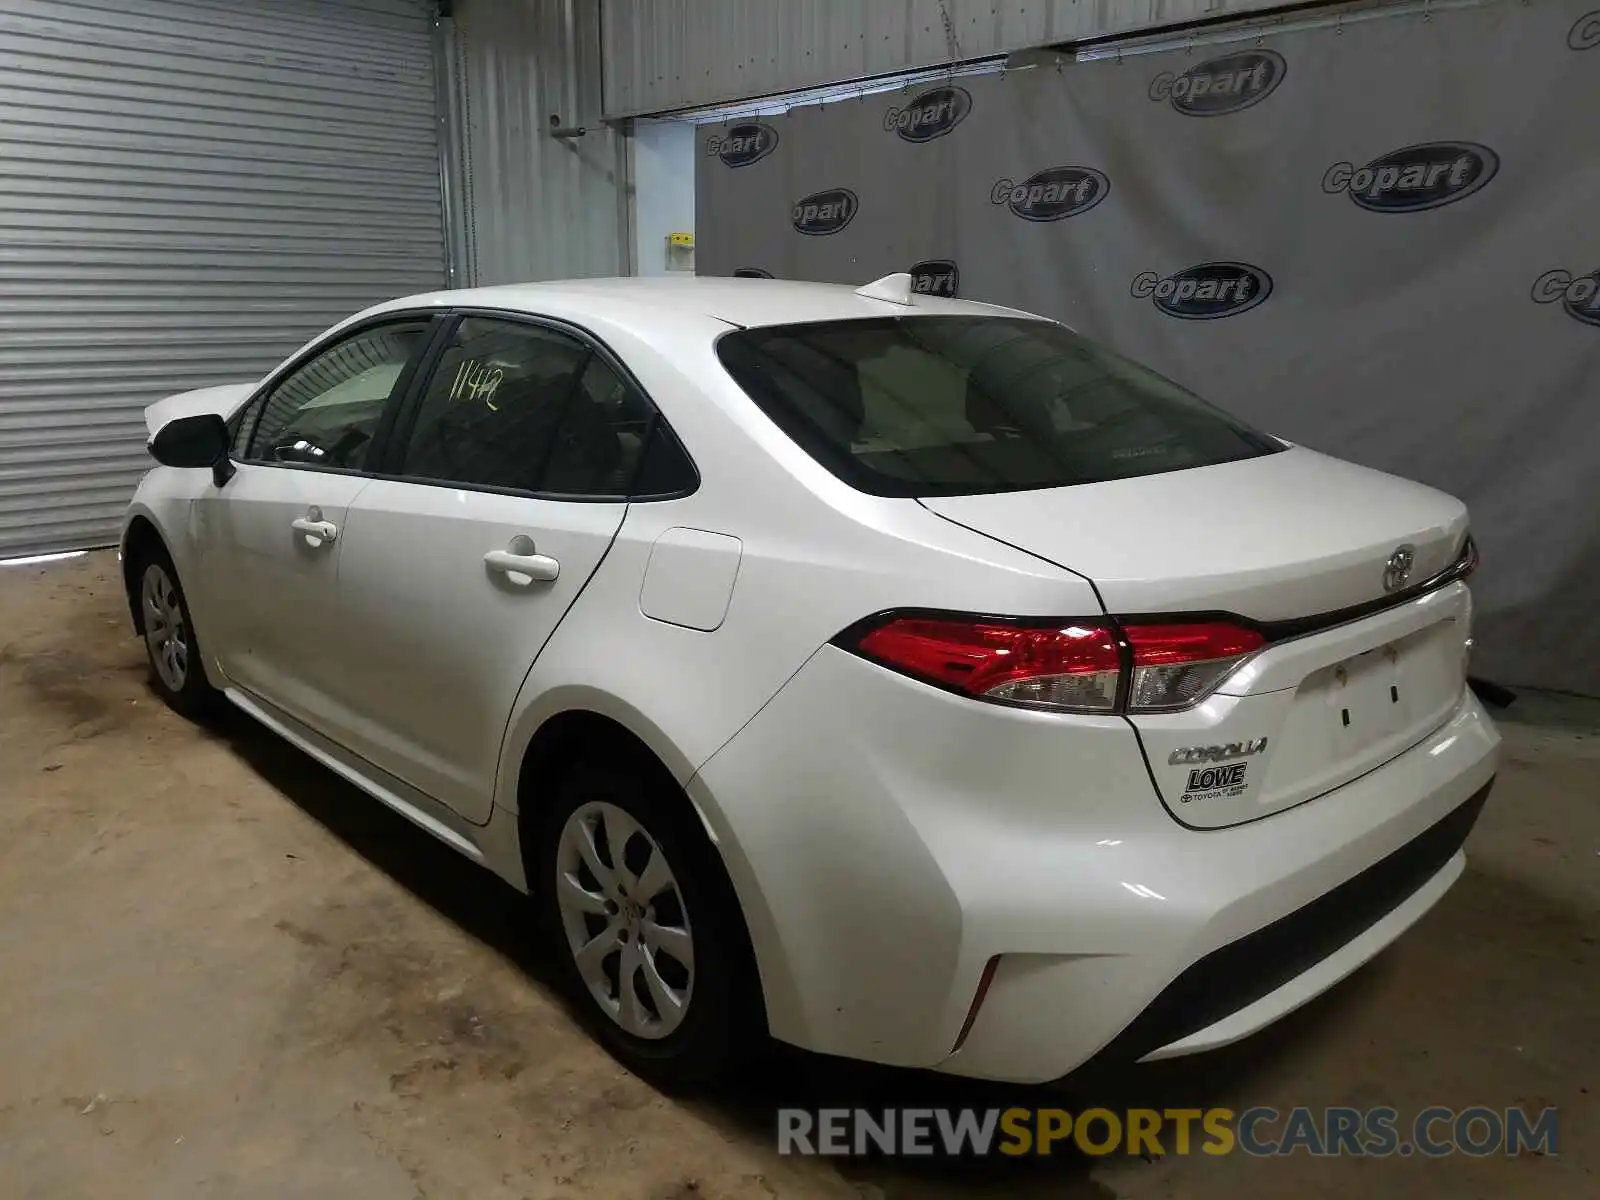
527	408
954	405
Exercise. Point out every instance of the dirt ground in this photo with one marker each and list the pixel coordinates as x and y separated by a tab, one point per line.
226	973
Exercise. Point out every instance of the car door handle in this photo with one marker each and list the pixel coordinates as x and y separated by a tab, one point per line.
523	569
317	533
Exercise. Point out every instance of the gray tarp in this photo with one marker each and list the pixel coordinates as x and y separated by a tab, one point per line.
1378	240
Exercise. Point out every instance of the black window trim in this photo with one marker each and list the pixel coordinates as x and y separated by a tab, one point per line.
410	404
343	333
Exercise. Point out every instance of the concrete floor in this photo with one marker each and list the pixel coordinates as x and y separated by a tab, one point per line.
226	973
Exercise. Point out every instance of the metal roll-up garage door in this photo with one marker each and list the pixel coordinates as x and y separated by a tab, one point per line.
189	189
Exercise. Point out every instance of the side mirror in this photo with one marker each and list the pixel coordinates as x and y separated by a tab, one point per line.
199	441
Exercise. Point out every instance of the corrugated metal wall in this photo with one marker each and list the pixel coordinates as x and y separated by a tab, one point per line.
533	206
188	190
670	54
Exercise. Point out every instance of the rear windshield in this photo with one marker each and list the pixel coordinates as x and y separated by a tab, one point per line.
955	405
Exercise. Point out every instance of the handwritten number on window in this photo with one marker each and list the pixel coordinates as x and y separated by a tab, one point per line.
477	381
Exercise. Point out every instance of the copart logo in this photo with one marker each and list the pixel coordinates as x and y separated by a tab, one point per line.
743	144
1222	85
822	213
1205	292
936	277
1053	194
1585	32
1188	755
752	273
930	115
1415	177
1579	294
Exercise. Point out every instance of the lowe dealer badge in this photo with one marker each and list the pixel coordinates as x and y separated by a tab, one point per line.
1215	783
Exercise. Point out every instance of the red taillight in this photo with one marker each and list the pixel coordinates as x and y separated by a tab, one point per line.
1071	666
1067	665
1175	666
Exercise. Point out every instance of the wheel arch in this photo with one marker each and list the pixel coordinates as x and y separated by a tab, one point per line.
568	735
138	537
577	722
556	717
143	530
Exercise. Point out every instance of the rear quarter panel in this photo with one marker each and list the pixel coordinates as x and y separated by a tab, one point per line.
815	558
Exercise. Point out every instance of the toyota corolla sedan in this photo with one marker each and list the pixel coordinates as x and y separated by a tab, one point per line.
908	679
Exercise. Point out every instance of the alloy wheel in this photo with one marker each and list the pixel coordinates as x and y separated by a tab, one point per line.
165	632
625	920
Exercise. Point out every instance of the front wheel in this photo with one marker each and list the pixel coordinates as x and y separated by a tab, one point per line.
169	637
646	926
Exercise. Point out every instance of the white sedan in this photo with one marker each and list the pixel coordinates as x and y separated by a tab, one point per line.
908	679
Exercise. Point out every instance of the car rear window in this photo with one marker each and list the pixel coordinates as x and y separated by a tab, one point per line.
957	405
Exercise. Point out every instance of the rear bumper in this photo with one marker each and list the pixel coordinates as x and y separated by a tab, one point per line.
1249	983
888	840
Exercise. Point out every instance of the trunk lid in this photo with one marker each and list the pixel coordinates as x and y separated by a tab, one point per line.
1308	715
1286	536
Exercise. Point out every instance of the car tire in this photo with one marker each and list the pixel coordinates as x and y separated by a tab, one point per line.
670	895
167	628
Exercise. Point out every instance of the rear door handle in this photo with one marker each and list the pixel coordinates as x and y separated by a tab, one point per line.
523	569
317	533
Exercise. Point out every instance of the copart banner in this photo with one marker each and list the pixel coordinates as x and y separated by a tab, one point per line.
1376	238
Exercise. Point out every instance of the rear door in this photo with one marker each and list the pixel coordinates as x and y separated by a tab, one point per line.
269	540
505	487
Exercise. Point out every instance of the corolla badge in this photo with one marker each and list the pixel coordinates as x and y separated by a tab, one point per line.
1185	755
1052	194
1414	178
1397	571
1205	292
1221	85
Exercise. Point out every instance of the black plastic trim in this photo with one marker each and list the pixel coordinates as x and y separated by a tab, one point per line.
394	429
1243	971
1298	627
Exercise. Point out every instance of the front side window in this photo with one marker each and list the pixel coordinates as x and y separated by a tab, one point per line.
325	412
527	408
955	405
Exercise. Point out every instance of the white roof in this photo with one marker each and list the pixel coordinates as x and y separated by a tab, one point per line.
744	302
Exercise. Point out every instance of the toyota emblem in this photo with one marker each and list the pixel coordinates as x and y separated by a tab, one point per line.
1397	571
